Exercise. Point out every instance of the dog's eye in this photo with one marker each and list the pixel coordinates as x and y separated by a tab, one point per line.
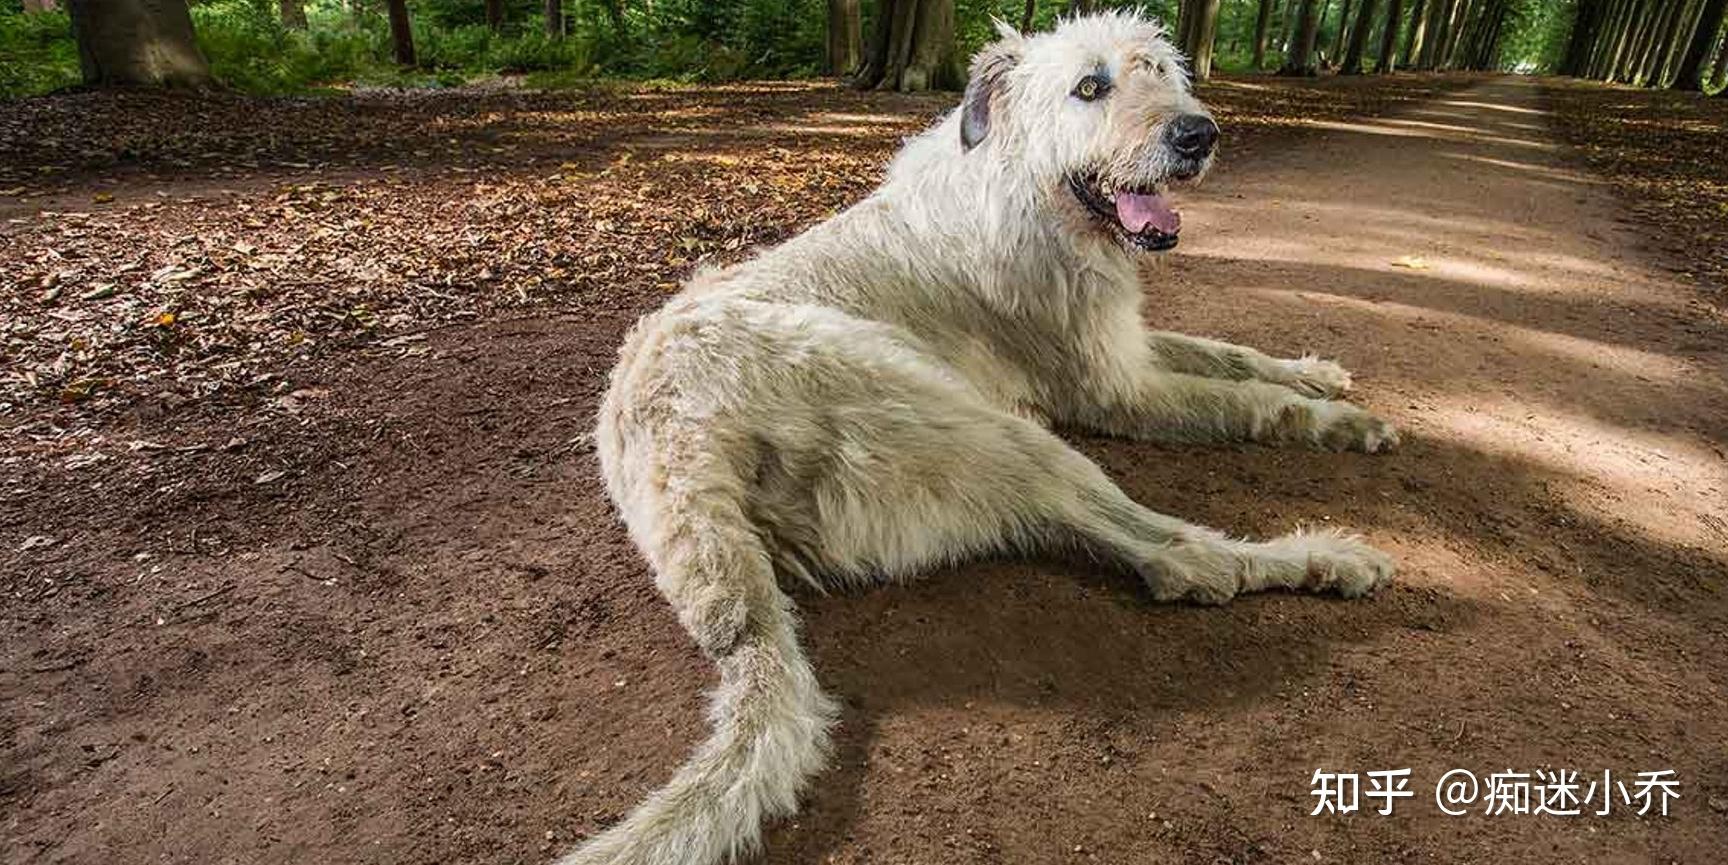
1091	87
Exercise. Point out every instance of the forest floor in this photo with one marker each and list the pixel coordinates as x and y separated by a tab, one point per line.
305	557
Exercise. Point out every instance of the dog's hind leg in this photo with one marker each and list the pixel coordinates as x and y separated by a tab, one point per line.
1307	375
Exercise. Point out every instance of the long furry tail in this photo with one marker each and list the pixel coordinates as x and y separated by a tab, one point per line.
770	734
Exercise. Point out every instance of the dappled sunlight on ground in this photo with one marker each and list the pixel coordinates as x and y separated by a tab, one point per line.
1662	483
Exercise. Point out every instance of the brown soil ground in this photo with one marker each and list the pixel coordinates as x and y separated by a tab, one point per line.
376	609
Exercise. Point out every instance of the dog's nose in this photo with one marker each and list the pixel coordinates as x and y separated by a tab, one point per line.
1192	135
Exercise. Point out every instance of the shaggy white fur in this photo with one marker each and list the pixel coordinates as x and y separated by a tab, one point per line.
867	401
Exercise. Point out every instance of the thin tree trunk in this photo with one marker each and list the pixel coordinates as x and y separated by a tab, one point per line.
401	35
138	42
1299	60
1199	37
1482	51
1661	37
1027	15
1683	41
1614	39
1288	30
495	15
1690	74
1413	37
1633	50
1680	41
1262	30
554	14
1600	21
1388	61
1449	37
1582	21
1720	68
844	36
1439	11
1343	25
1359	38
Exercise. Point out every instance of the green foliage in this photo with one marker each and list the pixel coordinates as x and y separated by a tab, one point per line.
1536	34
36	52
250	50
676	40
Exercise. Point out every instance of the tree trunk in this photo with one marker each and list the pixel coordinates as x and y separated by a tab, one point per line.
1287	30
1448	47
1583	20
138	42
1481	51
1199	36
1343	25
1720	68
1661	37
554	15
1027	15
912	48
1439	11
401	35
1388	61
844	37
1600	20
293	14
495	15
1683	41
1690	75
1413	38
1299	60
1613	39
1633	51
1359	38
1262	30
1677	44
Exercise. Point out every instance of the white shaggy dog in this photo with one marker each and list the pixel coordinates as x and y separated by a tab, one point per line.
869	400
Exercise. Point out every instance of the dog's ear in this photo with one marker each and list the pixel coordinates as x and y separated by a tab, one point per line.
989	69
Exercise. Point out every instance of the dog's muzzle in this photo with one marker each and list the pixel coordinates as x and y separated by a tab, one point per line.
1190	139
1137	211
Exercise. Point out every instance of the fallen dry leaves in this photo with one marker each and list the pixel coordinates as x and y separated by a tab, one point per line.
1663	150
167	248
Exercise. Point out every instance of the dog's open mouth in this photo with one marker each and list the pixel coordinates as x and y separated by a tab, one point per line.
1141	217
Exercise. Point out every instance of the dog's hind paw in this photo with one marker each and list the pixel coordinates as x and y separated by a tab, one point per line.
1313	377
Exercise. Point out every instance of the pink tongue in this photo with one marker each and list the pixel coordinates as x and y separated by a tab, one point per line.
1136	212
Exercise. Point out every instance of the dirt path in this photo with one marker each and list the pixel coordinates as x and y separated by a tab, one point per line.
417	635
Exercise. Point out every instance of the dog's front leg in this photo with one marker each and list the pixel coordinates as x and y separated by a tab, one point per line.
1155	403
1307	375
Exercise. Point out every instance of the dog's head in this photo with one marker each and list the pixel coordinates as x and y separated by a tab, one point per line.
1098	112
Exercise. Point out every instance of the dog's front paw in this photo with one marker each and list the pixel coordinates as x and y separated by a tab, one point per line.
1313	377
1337	562
1341	426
